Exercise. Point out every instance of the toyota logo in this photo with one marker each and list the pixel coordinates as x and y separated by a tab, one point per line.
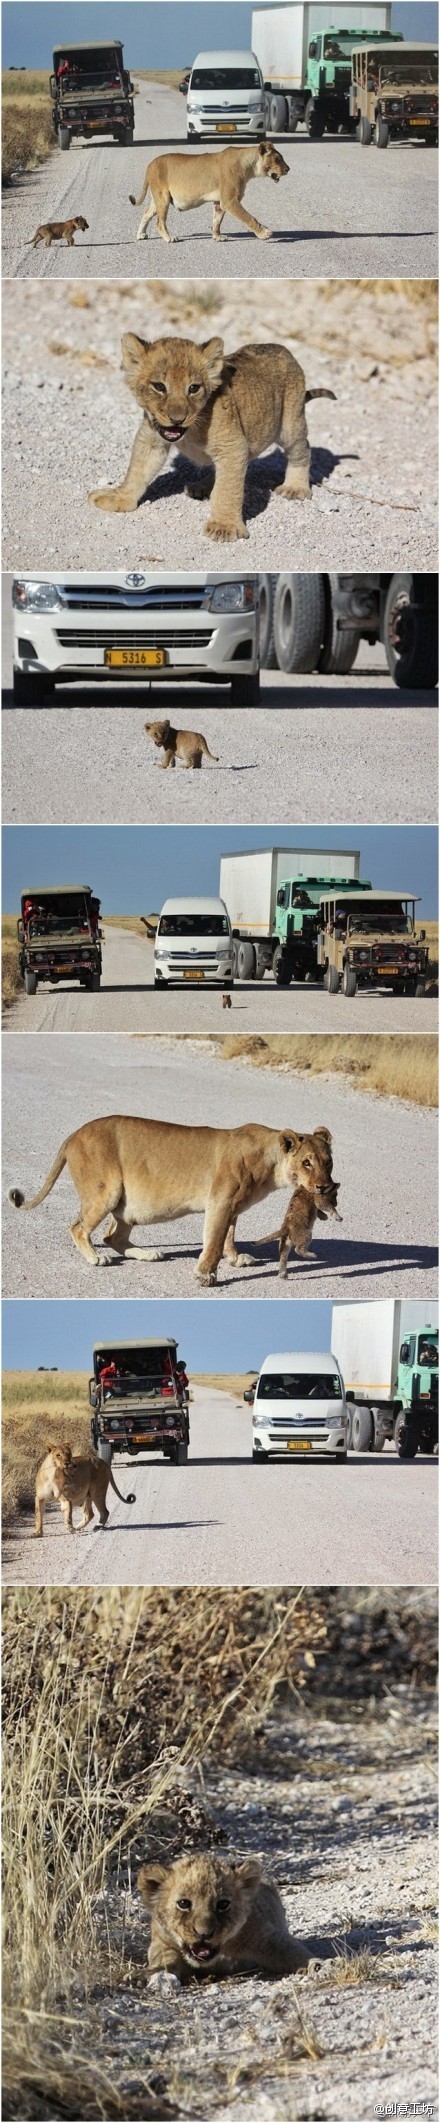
135	582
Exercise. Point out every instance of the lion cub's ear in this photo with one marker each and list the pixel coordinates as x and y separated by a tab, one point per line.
249	1872
150	1880
215	356
133	351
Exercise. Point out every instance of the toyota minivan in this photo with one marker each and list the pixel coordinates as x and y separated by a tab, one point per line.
299	1407
193	943
226	96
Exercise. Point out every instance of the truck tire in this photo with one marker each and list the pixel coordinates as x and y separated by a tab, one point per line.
420	987
365	132
104	1450
294	119
340	644
331	980
30	688
413	661
63	138
246	964
245	692
30	982
95	982
381	132
181	1455
128	136
281	969
315	120
266	585
405	1438
362	1433
278	115
349	982
299	621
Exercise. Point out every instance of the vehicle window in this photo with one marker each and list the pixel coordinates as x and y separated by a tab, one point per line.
214	78
428	1353
193	925
299	1385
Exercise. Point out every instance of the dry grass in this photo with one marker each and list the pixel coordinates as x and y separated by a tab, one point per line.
158	73
233	1382
391	1064
27	133
131	921
11	982
39	1408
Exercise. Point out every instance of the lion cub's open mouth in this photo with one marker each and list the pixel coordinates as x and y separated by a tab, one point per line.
170	434
202	1952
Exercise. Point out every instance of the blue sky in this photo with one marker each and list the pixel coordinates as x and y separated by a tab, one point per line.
64	1333
169	35
134	868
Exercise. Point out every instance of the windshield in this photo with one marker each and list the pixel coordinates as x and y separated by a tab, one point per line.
42	919
427	1353
221	77
401	69
380	918
341	47
299	1386
133	1364
193	925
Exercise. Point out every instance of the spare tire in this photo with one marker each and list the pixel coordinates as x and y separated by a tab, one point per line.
299	621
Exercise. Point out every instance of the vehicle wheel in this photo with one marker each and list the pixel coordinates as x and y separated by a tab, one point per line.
340	1459
340	644
405	1438
381	133
294	119
29	688
30	982
278	115
245	962
420	988
299	621
268	654
63	139
315	121
128	136
95	982
281	970
160	983
349	982
410	631
428	1446
365	132
332	980
245	692
261	964
104	1450
181	1455
260	1455
361	1430
332	125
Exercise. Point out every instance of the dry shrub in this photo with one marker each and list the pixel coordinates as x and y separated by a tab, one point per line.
11	983
27	137
391	1064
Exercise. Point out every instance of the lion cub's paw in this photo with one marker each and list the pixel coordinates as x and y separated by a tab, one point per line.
110	498
225	531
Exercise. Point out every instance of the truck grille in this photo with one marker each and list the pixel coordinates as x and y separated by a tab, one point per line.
131	638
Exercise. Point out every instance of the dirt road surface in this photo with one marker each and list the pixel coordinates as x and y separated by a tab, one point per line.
129	1002
314	744
67	405
339	212
385	1246
222	1520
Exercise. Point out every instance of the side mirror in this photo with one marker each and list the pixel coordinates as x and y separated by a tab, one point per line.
280	896
183	88
250	1393
404	1353
312	51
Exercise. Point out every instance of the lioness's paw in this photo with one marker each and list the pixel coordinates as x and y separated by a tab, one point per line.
110	498
263	233
225	531
204	1275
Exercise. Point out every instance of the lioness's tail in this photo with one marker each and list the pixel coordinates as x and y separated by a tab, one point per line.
17	1198
142	194
130	1499
209	755
319	394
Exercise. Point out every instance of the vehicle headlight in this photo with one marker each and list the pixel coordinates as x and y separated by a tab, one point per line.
161	951
334	1421
262	1422
36	596
223	951
231	597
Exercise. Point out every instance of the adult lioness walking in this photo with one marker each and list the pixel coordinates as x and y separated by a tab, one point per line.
151	1171
218	179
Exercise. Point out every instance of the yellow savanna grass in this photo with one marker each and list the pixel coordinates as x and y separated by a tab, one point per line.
392	1064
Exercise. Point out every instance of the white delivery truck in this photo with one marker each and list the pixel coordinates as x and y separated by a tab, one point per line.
193	943
298	1407
388	1356
272	896
305	58
226	96
317	622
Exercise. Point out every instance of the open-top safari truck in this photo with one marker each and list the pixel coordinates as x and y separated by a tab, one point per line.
369	939
91	92
139	1399
59	937
394	93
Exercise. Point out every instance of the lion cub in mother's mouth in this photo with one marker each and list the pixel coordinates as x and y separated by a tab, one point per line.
186	745
296	1231
217	1916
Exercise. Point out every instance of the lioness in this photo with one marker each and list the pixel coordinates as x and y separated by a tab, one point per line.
53	231
195	180
222	409
217	1916
152	1171
73	1478
296	1229
185	745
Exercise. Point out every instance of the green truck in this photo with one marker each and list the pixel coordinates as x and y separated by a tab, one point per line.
305	60
306	915
388	1356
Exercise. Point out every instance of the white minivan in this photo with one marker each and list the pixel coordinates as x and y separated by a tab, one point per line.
299	1407
226	95
193	943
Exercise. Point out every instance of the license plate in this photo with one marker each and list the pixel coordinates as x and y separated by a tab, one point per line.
299	1445
420	121
139	659
142	1437
226	128
193	973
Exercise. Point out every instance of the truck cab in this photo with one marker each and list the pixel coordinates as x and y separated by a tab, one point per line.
417	1389
298	955
394	92
369	939
91	92
59	937
139	1398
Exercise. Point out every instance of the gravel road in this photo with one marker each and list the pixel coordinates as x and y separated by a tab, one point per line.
221	1521
384	1158
355	735
129	1002
340	212
68	412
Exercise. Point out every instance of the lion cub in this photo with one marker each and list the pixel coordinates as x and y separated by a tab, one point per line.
53	231
73	1479
220	179
296	1231
217	1916
221	409
186	745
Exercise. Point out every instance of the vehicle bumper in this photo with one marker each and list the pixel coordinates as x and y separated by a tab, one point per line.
194	974
206	646
248	122
303	1443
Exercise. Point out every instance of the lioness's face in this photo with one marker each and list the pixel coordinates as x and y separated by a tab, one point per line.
172	380
158	732
202	1902
305	1159
271	163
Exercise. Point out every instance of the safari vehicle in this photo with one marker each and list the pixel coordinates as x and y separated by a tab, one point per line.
59	937
91	92
368	939
394	93
299	1407
145	628
139	1400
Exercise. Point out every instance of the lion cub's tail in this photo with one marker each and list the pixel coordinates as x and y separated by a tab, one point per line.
319	394
17	1198
267	1240
209	755
142	194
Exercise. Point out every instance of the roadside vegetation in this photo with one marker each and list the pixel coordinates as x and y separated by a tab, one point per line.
27	130
392	1065
11	983
40	1408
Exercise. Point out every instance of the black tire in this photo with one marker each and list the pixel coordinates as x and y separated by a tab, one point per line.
30	688
299	621
246	963
411	616
405	1438
181	1455
315	121
104	1450
332	125
332	980
340	644
349	982
128	137
95	982
63	139
30	982
294	120
381	133
245	692
340	1459
277	115
420	988
281	970
362	1430
268	658
160	983
365	132
260	1455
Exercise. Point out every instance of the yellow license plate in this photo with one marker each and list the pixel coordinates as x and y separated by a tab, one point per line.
226	128
193	973
420	121
143	1437
299	1445
137	659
